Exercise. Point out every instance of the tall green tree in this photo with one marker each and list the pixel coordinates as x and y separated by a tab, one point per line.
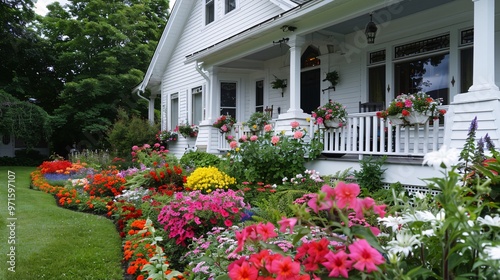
103	49
26	68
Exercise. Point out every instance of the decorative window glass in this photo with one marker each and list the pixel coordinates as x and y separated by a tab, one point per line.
377	57
467	37
228	98
197	110
259	96
310	57
422	47
209	11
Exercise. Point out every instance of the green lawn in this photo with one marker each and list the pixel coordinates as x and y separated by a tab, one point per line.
52	242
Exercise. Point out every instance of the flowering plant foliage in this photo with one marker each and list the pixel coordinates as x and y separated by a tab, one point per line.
190	214
224	123
331	111
165	178
257	121
105	183
207	179
167	135
406	104
187	130
148	155
270	157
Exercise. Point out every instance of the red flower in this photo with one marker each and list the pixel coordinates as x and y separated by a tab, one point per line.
405	113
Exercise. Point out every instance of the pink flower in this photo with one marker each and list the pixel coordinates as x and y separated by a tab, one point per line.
228	223
295	124
268	127
408	103
337	264
147	146
319	120
135	148
223	128
266	231
346	194
230	137
298	134
285	268
364	256
243	138
253	138
287	223
233	144
275	139
243	272
157	145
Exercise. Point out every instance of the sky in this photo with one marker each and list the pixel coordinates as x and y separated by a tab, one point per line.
41	5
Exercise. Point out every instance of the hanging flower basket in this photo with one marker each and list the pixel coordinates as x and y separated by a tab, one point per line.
417	118
333	123
224	123
396	119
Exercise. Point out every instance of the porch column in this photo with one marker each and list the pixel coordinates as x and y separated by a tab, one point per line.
483	77
483	98
295	43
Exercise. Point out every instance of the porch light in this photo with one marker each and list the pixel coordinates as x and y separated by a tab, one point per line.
371	30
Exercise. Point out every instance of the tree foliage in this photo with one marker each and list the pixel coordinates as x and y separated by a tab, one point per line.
23	120
103	49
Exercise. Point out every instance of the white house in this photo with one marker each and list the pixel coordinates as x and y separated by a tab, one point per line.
220	56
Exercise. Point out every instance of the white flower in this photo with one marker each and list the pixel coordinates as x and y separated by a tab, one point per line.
404	243
489	221
428	233
419	195
391	222
448	157
493	252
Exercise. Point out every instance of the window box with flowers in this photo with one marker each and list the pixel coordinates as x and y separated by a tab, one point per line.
257	121
331	115
166	136
411	109
224	123
187	130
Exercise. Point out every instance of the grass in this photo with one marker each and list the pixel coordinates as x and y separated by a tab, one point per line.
52	242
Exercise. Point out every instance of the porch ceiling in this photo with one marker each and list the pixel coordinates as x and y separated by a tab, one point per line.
404	8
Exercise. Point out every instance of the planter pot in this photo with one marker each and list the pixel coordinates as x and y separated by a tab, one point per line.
396	120
335	123
417	118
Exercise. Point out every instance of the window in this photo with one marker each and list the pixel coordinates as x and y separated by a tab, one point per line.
376	84
310	57
423	66
174	110
428	74
230	5
228	98
209	11
466	59
259	96
197	110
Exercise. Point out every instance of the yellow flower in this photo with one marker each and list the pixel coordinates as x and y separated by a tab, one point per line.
308	119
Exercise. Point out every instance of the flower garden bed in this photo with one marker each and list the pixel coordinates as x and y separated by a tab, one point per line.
179	223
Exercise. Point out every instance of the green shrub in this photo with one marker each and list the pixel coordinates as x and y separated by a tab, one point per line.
129	131
371	174
196	159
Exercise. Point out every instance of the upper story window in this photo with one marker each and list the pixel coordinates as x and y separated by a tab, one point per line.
209	11
230	5
310	57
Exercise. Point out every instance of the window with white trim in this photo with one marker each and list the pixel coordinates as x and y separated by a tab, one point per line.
228	98
230	5
209	11
196	106
174	110
466	58
259	96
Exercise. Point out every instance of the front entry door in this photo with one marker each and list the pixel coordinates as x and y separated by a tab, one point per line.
310	91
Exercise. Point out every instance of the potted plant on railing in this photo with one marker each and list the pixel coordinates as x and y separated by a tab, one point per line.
165	136
333	77
410	109
279	84
187	130
331	115
224	123
257	121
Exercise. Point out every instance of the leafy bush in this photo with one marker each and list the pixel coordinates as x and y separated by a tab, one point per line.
270	158
195	159
370	176
129	131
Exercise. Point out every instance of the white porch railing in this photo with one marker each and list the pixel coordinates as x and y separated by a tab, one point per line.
365	134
